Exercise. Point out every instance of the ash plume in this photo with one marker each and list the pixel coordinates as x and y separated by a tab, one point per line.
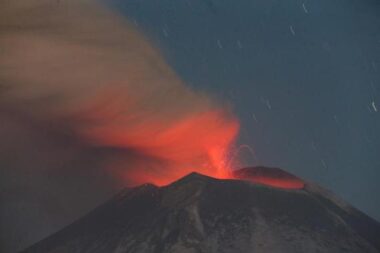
88	105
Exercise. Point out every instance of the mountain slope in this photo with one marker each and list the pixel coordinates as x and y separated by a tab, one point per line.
203	214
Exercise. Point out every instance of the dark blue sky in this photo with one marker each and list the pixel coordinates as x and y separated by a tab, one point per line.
302	76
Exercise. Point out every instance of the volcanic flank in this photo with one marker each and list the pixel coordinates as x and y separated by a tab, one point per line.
203	214
270	176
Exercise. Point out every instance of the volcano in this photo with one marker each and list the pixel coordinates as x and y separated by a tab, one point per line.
198	213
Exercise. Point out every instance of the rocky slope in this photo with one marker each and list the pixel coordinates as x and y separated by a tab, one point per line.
203	214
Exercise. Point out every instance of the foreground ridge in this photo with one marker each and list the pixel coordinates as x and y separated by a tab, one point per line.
198	213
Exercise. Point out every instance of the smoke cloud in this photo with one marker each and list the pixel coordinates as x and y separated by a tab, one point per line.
87	106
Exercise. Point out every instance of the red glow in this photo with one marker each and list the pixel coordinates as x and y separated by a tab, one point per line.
197	142
170	147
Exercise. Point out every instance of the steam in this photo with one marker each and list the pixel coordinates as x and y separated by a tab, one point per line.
88	105
81	66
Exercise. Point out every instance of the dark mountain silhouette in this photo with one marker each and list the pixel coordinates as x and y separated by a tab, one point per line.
202	214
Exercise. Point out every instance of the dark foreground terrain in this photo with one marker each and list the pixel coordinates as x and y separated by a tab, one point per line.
203	214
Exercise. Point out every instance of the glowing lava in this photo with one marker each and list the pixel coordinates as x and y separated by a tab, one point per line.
100	81
171	149
270	176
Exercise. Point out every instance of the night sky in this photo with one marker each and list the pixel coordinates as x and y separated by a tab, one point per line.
302	77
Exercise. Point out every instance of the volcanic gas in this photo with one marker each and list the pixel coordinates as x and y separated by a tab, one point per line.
196	143
108	88
98	78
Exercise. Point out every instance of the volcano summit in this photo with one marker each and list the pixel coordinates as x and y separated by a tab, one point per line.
202	214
